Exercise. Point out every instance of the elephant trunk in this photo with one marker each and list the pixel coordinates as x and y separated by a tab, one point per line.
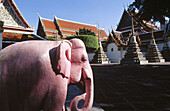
88	96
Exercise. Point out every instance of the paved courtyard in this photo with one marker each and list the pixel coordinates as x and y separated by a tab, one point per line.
132	88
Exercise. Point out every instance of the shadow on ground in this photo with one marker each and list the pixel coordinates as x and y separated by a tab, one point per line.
144	88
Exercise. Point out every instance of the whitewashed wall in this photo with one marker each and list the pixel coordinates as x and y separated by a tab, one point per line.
113	54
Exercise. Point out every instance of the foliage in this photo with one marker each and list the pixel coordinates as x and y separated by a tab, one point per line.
156	10
53	38
90	41
86	32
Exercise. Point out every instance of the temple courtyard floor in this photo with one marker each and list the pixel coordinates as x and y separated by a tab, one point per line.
132	88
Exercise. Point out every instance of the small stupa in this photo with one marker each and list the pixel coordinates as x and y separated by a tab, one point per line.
133	54
153	54
100	57
166	49
166	52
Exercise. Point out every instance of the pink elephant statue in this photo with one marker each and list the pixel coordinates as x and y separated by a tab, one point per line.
34	75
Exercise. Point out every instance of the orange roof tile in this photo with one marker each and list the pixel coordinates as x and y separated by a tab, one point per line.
75	26
49	24
50	32
102	33
68	32
118	34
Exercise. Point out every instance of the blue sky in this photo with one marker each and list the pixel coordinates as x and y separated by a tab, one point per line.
106	12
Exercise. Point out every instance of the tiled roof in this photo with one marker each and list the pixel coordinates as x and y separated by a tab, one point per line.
49	24
17	37
147	36
75	26
68	32
125	22
67	27
102	33
51	32
117	33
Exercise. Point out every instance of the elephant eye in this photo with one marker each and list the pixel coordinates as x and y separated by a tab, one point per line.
83	59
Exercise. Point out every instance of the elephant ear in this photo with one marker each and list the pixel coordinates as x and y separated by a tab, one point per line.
63	58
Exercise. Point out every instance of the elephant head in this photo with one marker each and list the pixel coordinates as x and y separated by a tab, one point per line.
75	67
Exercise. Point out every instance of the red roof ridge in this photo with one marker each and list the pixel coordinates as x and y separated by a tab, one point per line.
42	18
101	28
117	31
74	21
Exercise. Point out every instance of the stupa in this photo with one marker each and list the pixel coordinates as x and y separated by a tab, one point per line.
100	57
153	54
166	50
133	54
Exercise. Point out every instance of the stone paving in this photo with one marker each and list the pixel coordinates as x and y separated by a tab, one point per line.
132	88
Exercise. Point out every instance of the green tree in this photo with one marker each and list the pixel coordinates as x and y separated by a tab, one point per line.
85	31
90	41
156	10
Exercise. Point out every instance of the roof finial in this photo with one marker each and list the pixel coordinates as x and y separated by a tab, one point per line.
133	31
111	27
38	15
152	32
124	6
109	31
98	32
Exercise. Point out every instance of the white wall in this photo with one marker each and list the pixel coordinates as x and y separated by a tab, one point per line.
113	54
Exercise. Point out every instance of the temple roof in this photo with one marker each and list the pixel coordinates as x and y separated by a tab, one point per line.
125	22
49	24
17	11
102	33
48	27
67	24
66	27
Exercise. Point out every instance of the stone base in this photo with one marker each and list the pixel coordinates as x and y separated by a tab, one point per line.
157	60
131	62
74	91
100	62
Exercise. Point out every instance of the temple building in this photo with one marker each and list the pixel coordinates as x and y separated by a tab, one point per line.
15	27
142	26
63	28
117	42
